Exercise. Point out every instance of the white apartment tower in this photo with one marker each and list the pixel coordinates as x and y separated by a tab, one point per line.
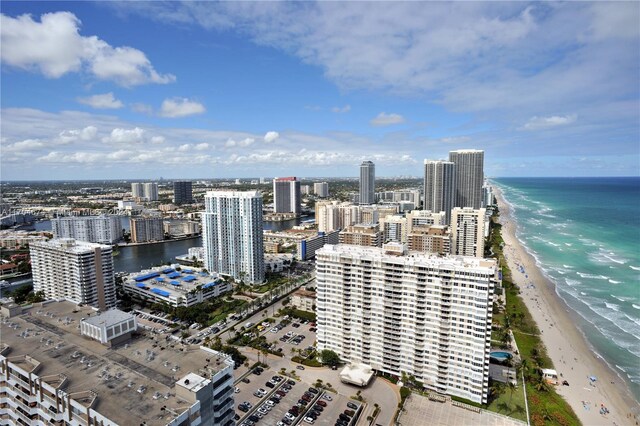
321	189
469	179
467	232
286	195
367	183
77	271
93	229
137	190
394	228
232	234
439	186
420	314
151	191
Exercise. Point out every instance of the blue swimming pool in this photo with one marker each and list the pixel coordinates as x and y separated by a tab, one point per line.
500	356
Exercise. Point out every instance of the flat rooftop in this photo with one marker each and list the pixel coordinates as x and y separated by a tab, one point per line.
167	281
107	318
50	335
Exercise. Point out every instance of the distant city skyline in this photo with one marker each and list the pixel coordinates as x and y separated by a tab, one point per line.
204	90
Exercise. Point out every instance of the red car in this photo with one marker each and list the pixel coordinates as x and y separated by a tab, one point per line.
322	403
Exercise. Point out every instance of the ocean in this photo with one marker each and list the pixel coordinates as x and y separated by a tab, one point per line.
585	235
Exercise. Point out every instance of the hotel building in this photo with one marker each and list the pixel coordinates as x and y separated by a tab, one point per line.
76	271
232	234
412	313
467	232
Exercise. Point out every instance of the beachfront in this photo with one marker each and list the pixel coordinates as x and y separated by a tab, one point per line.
566	346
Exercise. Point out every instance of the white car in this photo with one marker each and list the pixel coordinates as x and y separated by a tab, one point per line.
309	420
237	390
274	330
327	397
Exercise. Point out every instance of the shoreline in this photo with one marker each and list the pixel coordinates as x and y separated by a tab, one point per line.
157	242
566	344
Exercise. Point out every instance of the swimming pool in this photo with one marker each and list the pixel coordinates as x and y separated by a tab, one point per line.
500	356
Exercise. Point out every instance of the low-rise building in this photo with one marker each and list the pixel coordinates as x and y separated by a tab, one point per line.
430	239
304	300
362	234
8	269
185	287
277	262
307	247
110	328
51	374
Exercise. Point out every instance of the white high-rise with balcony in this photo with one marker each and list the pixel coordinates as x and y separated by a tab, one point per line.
469	171
439	186
367	183
93	229
232	234
411	313
76	271
467	231
321	189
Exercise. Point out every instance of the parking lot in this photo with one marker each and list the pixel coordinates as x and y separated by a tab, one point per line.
296	334
292	402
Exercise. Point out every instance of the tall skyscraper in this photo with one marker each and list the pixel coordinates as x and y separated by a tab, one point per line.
321	189
77	271
92	229
182	192
144	229
439	186
137	190
469	177
232	234
419	314
286	195
151	191
467	232
367	183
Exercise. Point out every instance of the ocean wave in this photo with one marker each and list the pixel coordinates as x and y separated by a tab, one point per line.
568	244
571	282
614	281
635	306
620	368
635	268
612	306
582	293
618	260
632	319
620	298
591	276
567	266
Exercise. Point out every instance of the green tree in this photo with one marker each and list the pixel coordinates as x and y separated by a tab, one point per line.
329	357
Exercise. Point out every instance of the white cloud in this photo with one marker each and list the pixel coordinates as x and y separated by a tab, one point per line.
271	136
340	110
55	47
538	123
125	136
180	107
25	145
201	146
231	143
157	140
105	101
69	136
142	108
384	119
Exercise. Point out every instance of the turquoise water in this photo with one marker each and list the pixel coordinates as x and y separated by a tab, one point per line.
500	356
585	236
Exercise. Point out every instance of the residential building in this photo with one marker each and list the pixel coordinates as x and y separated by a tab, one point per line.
405	312
181	228
440	186
307	247
321	189
145	229
182	192
469	178
304	300
487	195
367	183
176	288
8	269
430	239
151	191
137	190
92	229
412	195
305	189
362	234
77	271
53	375
425	218
232	234
14	239
467	231
286	195
394	228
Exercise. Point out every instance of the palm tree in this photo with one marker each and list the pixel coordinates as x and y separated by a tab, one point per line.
512	387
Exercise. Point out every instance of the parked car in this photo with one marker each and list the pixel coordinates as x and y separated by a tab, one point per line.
300	367
352	405
321	403
349	413
313	390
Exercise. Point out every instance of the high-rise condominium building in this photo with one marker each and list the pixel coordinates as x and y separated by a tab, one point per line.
286	195
362	234
367	183
467	232
469	177
151	191
394	228
321	189
182	192
430	239
232	234
414	313
144	229
424	218
77	271
137	190
93	229
439	186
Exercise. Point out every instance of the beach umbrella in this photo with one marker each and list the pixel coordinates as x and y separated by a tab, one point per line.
593	378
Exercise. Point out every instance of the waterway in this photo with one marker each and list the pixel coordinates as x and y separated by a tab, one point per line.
135	258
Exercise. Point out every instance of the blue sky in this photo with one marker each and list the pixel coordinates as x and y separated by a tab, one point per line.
210	90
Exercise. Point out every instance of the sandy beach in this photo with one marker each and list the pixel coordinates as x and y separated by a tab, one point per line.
567	347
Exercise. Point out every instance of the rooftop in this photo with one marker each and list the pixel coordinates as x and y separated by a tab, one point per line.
107	318
69	245
134	383
169	282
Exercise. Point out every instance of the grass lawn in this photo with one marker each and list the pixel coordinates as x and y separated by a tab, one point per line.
510	404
